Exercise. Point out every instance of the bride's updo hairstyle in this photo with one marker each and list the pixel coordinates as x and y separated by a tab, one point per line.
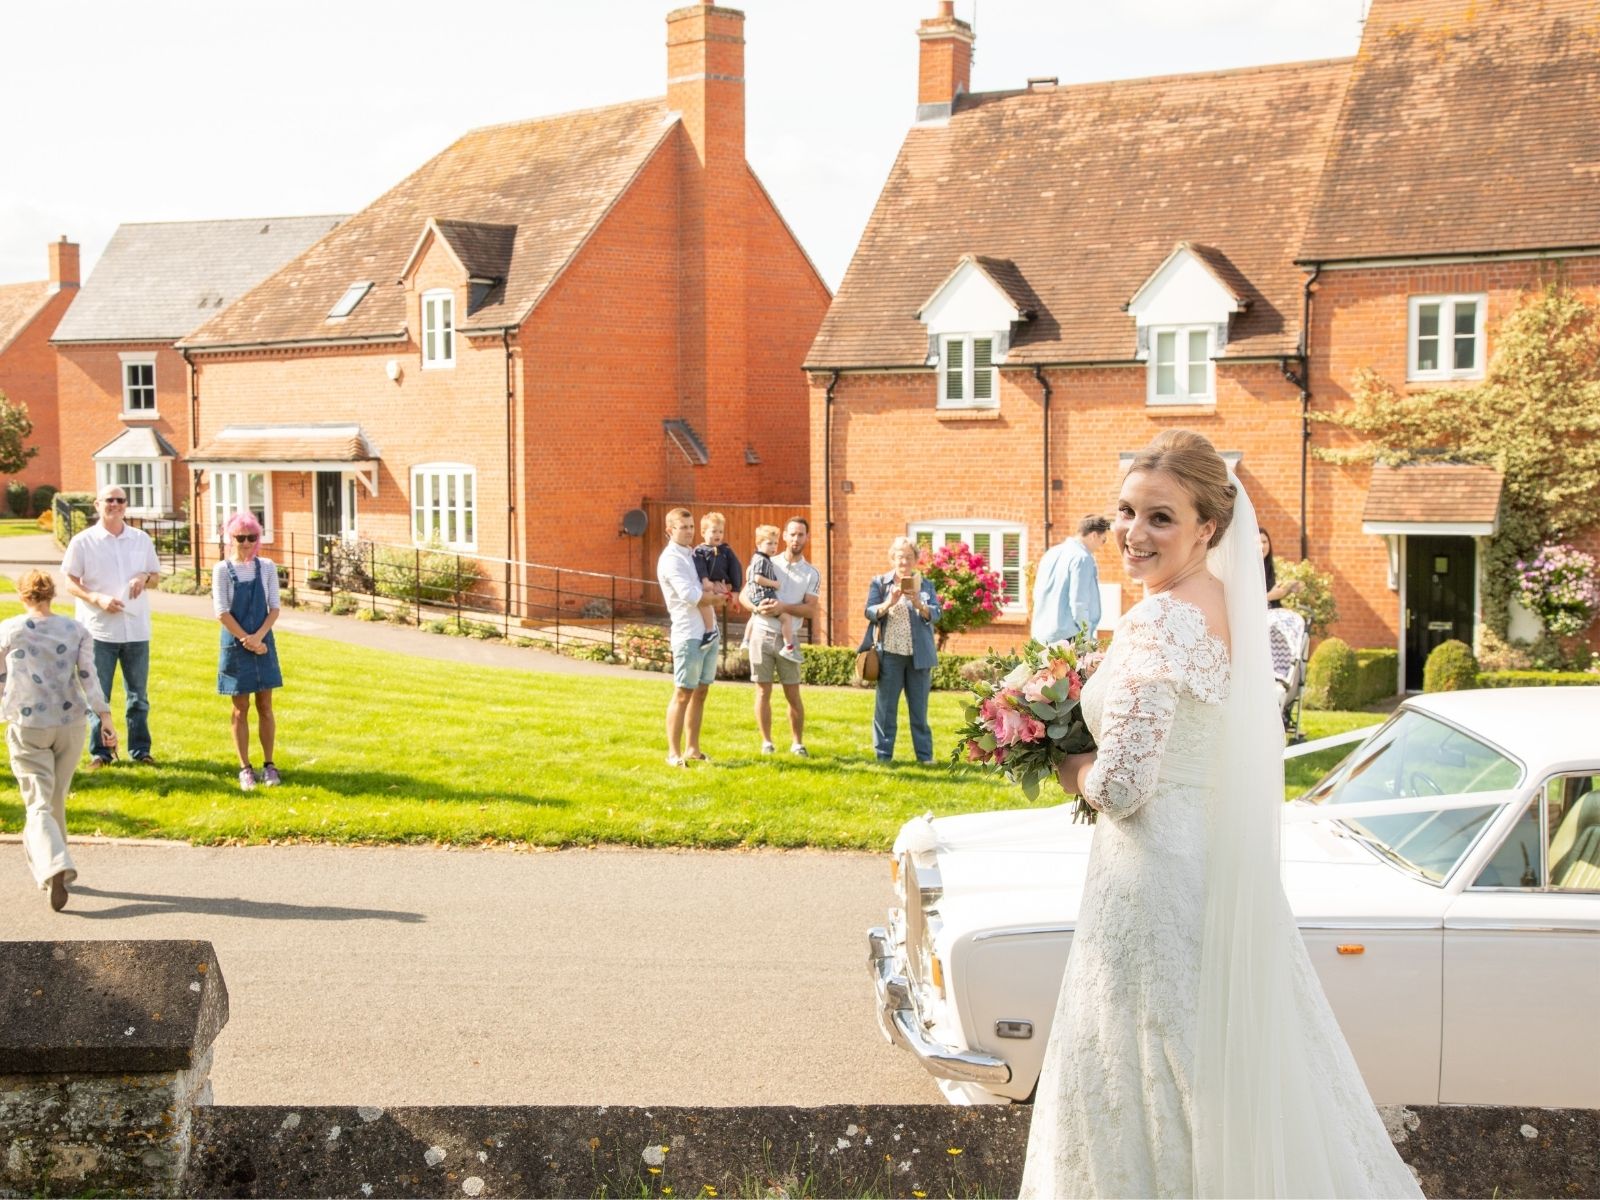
1192	460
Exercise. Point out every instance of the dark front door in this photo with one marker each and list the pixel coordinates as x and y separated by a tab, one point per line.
1441	582
330	511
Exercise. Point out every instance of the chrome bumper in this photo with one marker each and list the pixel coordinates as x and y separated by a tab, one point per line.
902	1025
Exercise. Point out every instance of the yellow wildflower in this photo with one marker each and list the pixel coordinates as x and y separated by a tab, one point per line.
953	1150
655	1170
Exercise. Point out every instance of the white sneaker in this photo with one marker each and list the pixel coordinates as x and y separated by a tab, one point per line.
792	653
768	748
797	748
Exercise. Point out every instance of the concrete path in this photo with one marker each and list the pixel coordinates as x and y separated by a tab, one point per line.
428	976
19	554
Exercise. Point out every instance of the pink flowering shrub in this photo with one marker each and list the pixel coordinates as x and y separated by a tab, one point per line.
970	592
1559	585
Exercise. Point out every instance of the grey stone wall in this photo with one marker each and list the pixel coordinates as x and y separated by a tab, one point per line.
910	1151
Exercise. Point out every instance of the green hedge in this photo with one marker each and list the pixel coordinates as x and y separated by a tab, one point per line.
1331	677
1450	668
1509	679
1377	676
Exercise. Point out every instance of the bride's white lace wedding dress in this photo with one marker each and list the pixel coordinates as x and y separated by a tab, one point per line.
1114	1111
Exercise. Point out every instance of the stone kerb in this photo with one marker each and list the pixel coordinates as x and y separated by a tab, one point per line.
105	1051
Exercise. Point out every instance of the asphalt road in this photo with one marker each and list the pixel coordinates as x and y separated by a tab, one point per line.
390	976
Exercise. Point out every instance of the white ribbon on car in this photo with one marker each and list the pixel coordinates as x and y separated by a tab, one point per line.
1298	811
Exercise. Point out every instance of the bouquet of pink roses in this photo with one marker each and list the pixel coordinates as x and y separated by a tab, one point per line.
1022	724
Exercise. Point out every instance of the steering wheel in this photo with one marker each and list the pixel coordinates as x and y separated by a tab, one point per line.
1423	784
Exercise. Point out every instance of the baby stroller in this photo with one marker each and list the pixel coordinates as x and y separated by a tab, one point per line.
1290	643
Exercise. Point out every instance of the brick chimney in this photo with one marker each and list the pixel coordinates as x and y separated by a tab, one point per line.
705	86
63	264
945	68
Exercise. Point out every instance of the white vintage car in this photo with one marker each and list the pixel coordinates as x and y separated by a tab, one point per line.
1445	875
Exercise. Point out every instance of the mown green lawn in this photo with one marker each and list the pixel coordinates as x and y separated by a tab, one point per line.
18	527
380	747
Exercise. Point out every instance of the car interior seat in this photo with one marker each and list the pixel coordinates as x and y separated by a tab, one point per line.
1575	848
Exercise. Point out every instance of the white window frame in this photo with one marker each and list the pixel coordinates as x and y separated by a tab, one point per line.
222	500
437	302
969	372
153	489
135	358
429	512
965	530
1181	364
1447	336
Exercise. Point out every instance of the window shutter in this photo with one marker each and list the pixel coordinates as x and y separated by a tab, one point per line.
982	369
954	362
1011	566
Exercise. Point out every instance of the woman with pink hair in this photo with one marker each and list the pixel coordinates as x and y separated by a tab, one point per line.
244	595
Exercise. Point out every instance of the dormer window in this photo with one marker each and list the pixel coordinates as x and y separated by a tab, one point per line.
967	371
1181	370
1182	314
971	318
438	328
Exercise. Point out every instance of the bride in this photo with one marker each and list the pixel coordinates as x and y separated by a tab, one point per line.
1193	1052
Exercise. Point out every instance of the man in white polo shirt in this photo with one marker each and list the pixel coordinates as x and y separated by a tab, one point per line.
799	584
694	666
108	567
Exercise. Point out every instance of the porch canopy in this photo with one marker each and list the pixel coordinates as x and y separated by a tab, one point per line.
291	448
1449	499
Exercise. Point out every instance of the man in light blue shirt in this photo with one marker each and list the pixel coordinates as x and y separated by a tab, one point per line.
1066	590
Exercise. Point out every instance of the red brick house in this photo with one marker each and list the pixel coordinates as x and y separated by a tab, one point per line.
1055	274
549	321
29	314
123	388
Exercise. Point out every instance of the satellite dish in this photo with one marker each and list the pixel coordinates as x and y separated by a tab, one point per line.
634	522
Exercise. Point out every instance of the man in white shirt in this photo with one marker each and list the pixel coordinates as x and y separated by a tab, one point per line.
108	567
694	665
799	584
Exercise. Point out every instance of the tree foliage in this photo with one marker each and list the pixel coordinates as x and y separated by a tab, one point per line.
15	430
1535	417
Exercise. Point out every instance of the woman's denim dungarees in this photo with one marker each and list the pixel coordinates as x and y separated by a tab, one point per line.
240	672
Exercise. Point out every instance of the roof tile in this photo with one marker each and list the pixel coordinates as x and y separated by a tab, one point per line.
1433	493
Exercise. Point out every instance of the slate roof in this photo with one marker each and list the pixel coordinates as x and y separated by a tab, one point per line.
1469	125
286	443
159	281
1424	493
1086	189
550	180
483	250
20	303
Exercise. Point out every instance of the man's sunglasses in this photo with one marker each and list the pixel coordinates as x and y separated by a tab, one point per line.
244	537
113	500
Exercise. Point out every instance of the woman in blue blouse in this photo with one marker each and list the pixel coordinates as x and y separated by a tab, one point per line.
902	609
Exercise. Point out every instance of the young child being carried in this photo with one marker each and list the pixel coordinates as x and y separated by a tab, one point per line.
719	571
764	578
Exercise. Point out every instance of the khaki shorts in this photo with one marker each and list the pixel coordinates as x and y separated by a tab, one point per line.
764	645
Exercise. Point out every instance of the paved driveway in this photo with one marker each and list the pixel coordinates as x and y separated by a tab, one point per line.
479	976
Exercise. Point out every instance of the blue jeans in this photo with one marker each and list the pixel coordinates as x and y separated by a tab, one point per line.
896	675
135	660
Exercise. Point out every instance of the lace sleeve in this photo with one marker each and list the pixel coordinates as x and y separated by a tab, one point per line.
1141	701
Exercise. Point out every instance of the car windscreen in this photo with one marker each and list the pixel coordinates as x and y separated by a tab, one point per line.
1415	756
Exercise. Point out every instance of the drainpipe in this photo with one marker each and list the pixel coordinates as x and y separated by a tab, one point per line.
1305	403
511	461
194	476
827	501
1044	389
